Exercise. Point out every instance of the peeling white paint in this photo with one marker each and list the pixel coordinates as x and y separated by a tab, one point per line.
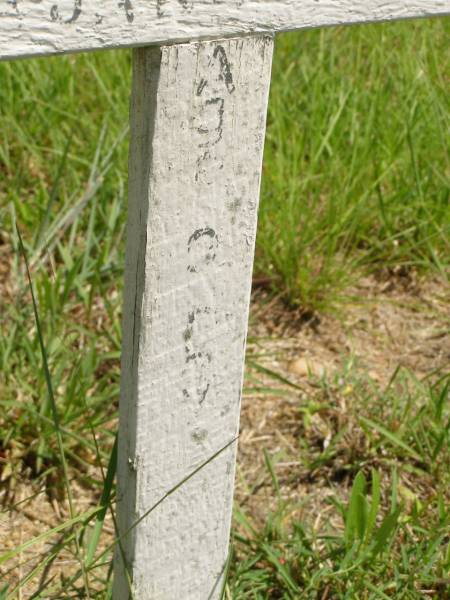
197	128
36	27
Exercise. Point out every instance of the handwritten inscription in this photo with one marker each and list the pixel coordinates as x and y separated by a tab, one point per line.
212	93
202	248
75	13
199	351
69	12
128	7
213	88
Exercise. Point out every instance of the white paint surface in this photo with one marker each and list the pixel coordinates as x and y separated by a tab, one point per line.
197	128
30	27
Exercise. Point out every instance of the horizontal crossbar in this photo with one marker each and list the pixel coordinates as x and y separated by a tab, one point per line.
42	27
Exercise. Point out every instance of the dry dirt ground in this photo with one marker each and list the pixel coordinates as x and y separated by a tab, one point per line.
386	322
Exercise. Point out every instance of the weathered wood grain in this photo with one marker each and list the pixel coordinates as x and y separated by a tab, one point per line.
197	132
34	27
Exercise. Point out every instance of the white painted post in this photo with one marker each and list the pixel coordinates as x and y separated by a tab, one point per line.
198	116
197	131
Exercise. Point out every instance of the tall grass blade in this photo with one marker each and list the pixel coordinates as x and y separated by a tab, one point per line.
273	476
375	504
385	532
55	415
103	506
356	517
164	498
392	437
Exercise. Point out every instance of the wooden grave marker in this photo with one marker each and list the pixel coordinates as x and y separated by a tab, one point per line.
201	77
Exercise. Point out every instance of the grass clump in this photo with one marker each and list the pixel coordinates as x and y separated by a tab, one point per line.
355	170
356	162
385	526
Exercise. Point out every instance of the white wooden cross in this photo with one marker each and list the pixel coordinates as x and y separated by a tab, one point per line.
198	112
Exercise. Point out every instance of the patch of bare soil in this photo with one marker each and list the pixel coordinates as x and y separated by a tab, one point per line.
387	323
384	324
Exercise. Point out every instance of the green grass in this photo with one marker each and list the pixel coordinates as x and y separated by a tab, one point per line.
387	537
356	173
356	170
356	179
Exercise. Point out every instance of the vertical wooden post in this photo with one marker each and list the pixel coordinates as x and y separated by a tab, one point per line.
198	115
